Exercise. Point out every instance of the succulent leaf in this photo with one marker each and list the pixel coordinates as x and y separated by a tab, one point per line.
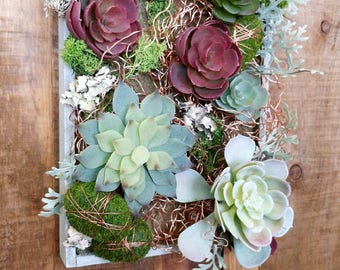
93	157
88	131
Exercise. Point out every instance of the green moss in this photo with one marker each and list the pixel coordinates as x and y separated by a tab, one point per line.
147	55
154	7
130	248
206	151
81	59
99	215
249	47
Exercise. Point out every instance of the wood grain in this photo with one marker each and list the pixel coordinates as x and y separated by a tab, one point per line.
313	243
29	145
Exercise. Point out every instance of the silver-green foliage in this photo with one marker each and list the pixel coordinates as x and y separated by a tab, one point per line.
282	38
135	147
52	206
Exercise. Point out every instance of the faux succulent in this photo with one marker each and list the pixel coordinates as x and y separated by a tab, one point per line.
136	147
244	97
227	10
207	57
108	27
251	202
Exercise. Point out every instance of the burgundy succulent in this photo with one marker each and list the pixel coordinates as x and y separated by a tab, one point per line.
108	27
207	58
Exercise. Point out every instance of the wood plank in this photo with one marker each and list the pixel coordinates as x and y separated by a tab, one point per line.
313	243
28	134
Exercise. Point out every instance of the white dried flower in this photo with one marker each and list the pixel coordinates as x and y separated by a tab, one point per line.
195	117
77	239
85	91
59	6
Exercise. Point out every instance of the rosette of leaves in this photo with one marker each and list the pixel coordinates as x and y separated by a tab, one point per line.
251	203
207	58
105	217
108	27
244	97
228	10
136	147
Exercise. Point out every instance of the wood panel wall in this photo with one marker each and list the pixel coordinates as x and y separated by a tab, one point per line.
29	144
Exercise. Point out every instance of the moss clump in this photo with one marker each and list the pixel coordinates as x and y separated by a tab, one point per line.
99	215
154	7
252	41
129	248
206	151
81	59
147	55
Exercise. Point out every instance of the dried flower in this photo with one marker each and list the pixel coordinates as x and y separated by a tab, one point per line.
85	91
207	58
77	239
108	27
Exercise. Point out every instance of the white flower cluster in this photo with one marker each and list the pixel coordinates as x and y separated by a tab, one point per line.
59	6
77	239
85	91
195	116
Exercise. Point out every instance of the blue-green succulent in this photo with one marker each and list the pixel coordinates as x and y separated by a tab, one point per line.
244	97
135	147
227	10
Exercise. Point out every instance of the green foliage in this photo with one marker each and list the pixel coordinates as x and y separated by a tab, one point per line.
250	45
283	4
129	248
147	55
205	150
99	215
154	7
81	59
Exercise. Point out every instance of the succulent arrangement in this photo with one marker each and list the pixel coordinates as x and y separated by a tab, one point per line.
177	143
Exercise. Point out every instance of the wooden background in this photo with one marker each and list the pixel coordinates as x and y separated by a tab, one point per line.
29	144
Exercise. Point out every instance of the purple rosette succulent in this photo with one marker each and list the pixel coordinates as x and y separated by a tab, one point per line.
207	57
108	27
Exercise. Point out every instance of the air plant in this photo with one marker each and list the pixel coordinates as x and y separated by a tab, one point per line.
244	97
207	58
136	147
108	27
228	10
251	203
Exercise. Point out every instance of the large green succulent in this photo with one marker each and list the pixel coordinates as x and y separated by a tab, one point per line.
227	10
244	97
135	147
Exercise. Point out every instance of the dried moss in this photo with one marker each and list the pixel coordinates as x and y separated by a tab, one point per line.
81	59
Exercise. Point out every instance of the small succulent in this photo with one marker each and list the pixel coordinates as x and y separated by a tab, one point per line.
227	10
108	27
244	97
135	147
207	58
251	203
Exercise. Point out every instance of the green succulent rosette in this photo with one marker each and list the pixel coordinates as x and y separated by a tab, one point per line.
136	147
244	97
228	10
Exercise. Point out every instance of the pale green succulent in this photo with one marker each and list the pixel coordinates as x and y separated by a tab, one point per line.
251	197
135	147
244	97
251	203
228	10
